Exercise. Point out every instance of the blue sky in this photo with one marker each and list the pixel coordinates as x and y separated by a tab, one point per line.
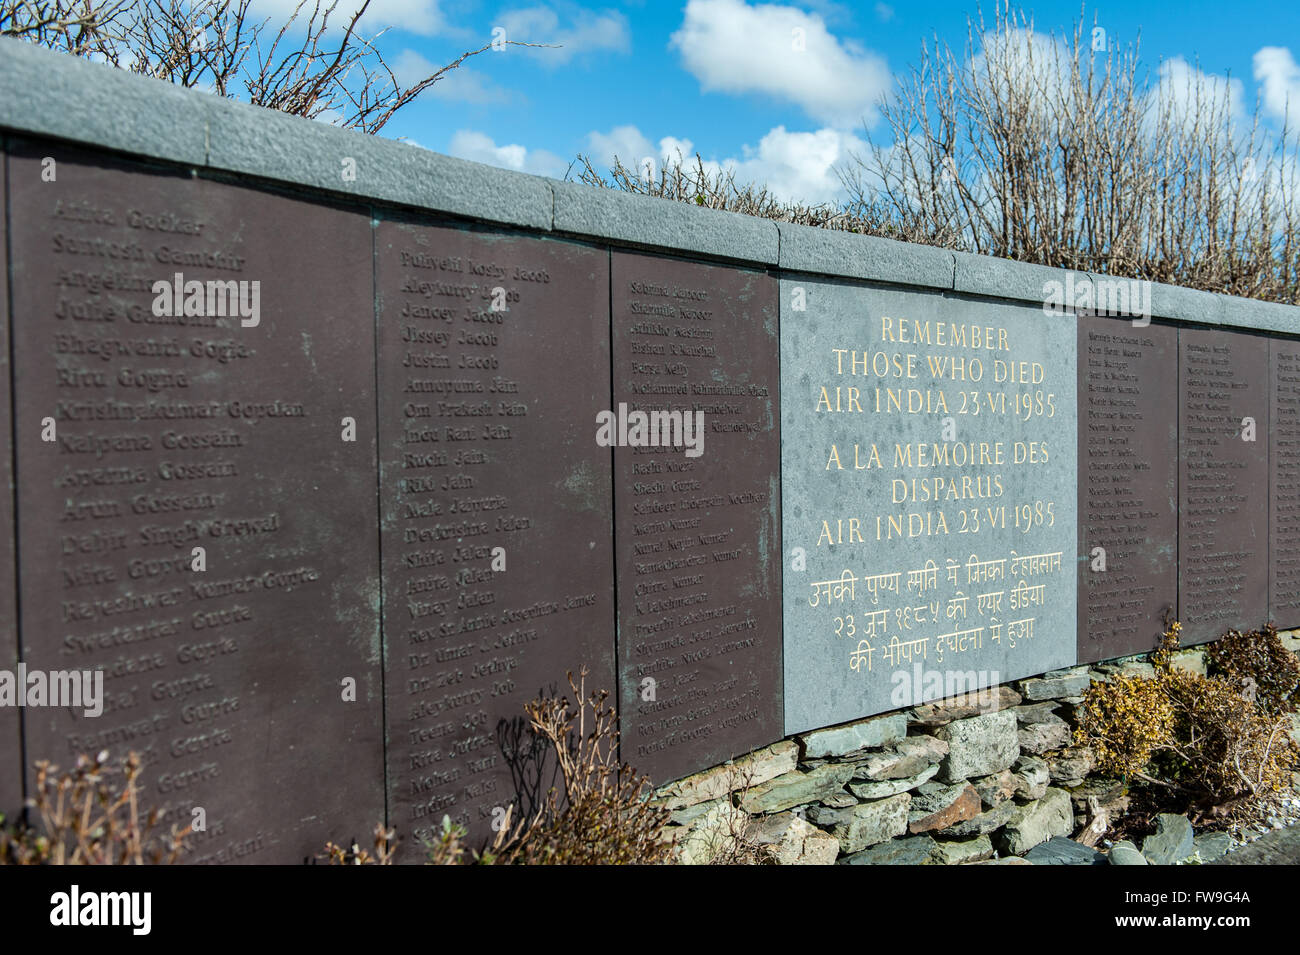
721	77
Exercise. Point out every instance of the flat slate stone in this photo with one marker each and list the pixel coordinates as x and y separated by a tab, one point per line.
841	740
1211	846
1173	840
1125	853
913	850
1279	847
796	788
1062	851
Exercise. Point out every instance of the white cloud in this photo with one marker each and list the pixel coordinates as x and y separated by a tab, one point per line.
461	85
799	166
424	17
731	47
884	12
471	144
1276	70
586	32
796	166
624	142
1188	96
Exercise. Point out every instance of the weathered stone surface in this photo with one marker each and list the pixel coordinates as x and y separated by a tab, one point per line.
840	800
985	822
796	788
687	815
1173	841
1031	713
1038	738
871	822
1279	847
1008	860
996	789
914	850
962	851
1125	853
1211	846
1063	851
1056	685
1033	777
1072	766
1137	668
1190	661
1036	822
890	787
907	757
979	746
714	835
1111	795
935	806
753	770
839	740
787	839
987	701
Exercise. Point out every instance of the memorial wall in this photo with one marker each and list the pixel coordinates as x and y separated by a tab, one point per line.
325	477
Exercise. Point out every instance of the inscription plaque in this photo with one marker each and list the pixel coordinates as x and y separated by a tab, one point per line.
697	524
11	765
494	362
247	673
929	504
1128	485
1222	482
1284	505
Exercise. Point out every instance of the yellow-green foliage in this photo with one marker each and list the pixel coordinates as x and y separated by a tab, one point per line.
1202	736
1124	721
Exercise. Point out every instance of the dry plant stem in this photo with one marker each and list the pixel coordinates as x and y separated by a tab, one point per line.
311	66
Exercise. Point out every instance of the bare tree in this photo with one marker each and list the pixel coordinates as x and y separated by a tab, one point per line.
316	64
1064	152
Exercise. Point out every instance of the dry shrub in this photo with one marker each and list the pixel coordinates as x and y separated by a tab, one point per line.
385	841
1258	662
91	815
602	816
715	187
1200	739
1222	749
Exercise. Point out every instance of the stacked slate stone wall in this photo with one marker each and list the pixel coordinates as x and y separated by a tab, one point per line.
994	777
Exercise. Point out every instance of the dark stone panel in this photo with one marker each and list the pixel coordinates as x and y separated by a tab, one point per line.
175	433
1284	505
487	441
1128	485
11	761
1222	482
697	534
